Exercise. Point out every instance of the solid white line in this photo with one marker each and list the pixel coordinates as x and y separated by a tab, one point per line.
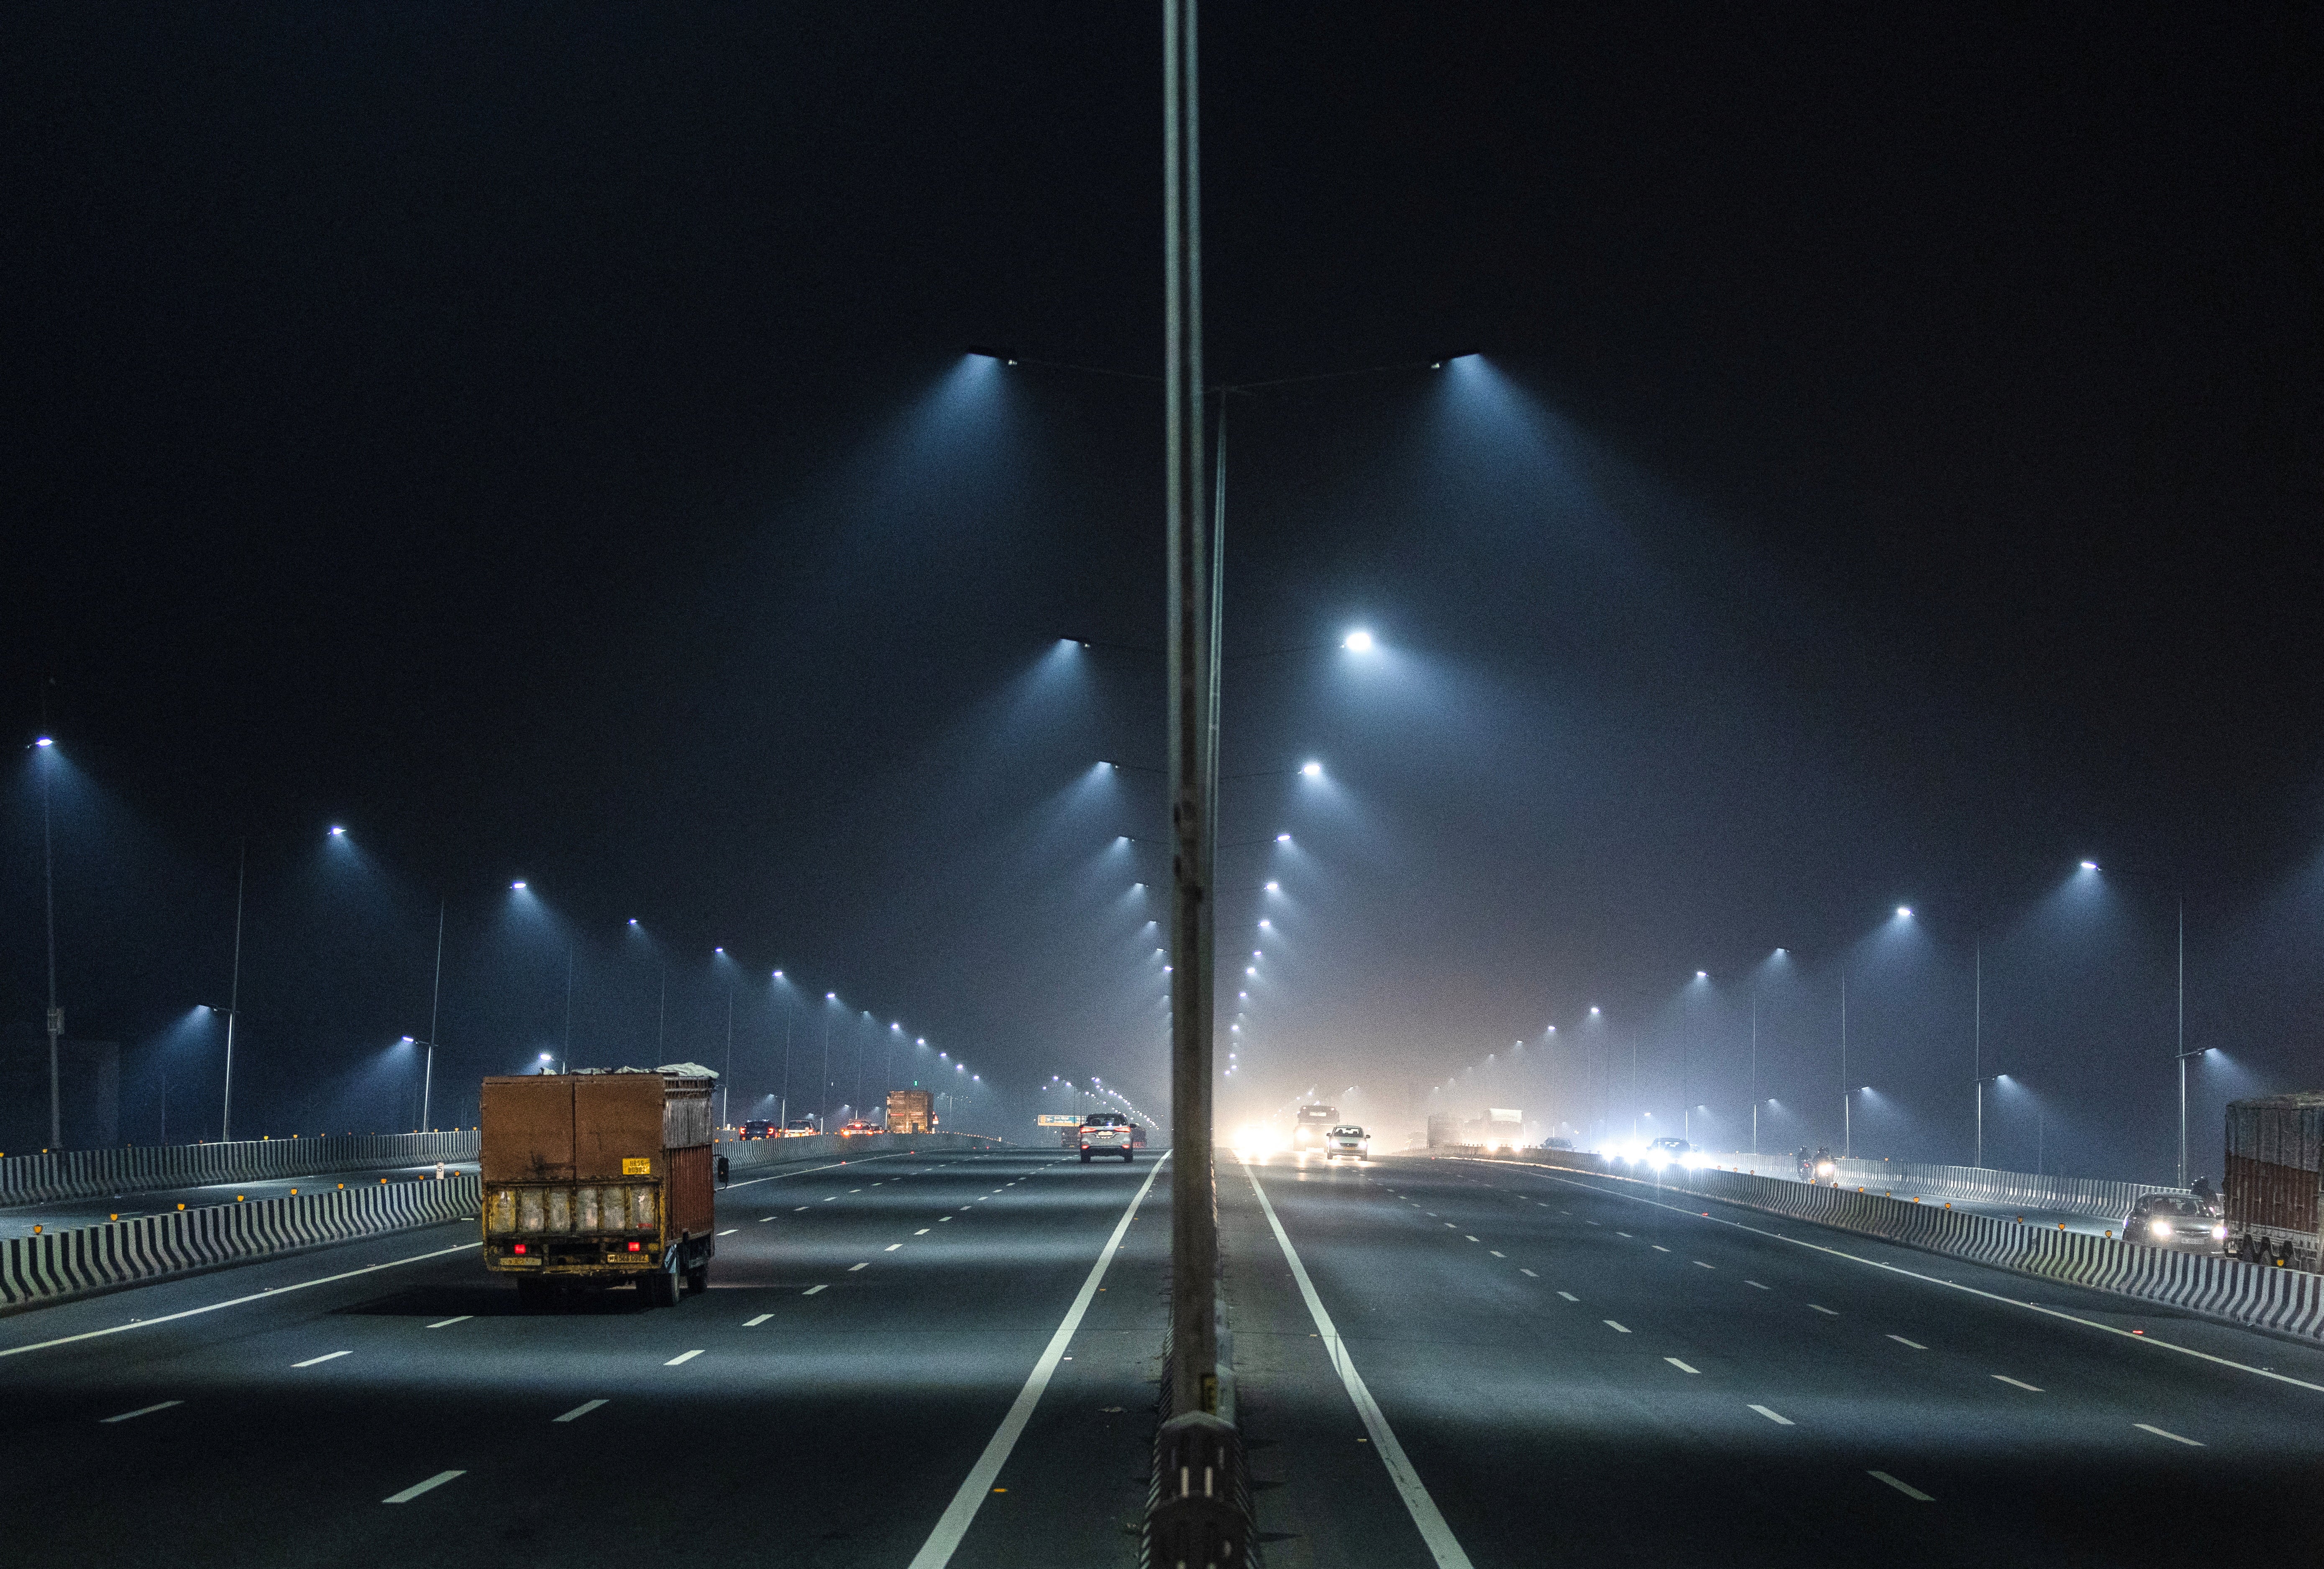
1910	1492
977	1485
326	1356
2019	1383
813	1290
448	1322
233	1301
1617	1328
1522	1270
579	1411
1434	1531
754	1323
1777	1417
2141	1339
853	1268
141	1411
683	1357
1680	1366
2160	1433
1915	1344
416	1489
1569	1296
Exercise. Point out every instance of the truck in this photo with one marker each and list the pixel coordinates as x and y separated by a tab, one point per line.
1313	1126
912	1111
2271	1198
1108	1133
599	1177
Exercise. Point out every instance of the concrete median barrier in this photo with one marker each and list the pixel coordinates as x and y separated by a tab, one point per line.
2286	1301
66	1174
57	1266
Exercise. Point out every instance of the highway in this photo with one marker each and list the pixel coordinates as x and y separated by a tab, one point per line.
1584	1377
869	1328
60	1214
889	1370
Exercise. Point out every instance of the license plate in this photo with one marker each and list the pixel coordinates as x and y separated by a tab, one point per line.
527	1263
627	1258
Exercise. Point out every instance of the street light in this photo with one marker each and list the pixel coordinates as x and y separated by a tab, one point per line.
1358	642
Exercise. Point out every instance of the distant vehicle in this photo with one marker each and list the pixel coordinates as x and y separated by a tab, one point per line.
853	1129
1313	1126
802	1128
1670	1151
1819	1167
2170	1219
1557	1144
2271	1205
911	1111
757	1129
599	1178
1347	1141
1107	1133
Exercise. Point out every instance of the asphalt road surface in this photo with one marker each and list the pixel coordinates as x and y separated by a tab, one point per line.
868	1330
64	1214
1578	1376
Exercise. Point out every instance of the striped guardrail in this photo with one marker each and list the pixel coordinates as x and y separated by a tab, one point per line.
96	1173
2291	1301
58	1265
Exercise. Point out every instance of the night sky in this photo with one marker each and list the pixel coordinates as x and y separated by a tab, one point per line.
537	439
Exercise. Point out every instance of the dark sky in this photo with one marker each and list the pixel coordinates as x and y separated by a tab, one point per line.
536	437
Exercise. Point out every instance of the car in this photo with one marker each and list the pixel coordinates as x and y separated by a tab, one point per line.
1107	1133
1670	1151
2172	1220
854	1129
757	1129
1347	1139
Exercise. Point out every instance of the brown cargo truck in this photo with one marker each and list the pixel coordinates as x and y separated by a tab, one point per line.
601	1177
912	1111
2272	1178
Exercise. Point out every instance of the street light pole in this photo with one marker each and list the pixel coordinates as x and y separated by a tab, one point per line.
56	1016
234	996
1755	1067
435	1006
1847	1127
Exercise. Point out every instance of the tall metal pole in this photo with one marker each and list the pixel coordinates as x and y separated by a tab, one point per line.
56	1016
726	1085
1755	1069
783	1104
824	1093
1194	1213
565	1059
435	1007
2182	1047
234	996
1846	1124
1977	1049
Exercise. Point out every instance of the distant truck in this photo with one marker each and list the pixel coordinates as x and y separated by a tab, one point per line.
600	1178
1313	1126
2272	1180
912	1111
1108	1133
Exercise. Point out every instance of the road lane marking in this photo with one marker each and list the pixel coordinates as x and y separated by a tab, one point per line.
1569	1296
1497	1253
921	1232
2019	1383
832	1199
1626	1234
2140	1336
2175	1438
1826	1311
235	1301
416	1489
1658	1247
730	1231
1915	1344
141	1411
1617	1328
1466	1235
977	1485
853	1268
579	1411
682	1358
1910	1492
448	1322
754	1323
1680	1366
1700	1265
796	1208
764	1219
1777	1418
891	1247
941	1219
813	1290
326	1356
1522	1270
1438	1536
1451	1227
1589	1222
1755	1283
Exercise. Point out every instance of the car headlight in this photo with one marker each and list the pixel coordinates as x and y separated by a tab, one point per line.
1825	1169
2219	1234
2161	1228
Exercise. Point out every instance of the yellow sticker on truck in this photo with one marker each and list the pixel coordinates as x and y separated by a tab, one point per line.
636	1165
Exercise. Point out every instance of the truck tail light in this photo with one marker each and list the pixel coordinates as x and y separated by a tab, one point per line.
633	1247
519	1248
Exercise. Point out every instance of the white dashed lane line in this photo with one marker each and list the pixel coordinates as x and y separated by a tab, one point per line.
921	1232
416	1489
1827	1312
803	1207
448	1322
2019	1383
141	1411
1522	1270
1617	1328
1680	1366
1569	1296
682	1358
579	1411
813	1290
1700	1265
1755	1283
1910	1492
326	1356
853	1268
730	1231
764	1219
2162	1433
754	1323
1777	1418
1497	1253
1658	1247
891	1247
1915	1344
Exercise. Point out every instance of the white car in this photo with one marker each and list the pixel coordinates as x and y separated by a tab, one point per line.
1347	1139
1107	1133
